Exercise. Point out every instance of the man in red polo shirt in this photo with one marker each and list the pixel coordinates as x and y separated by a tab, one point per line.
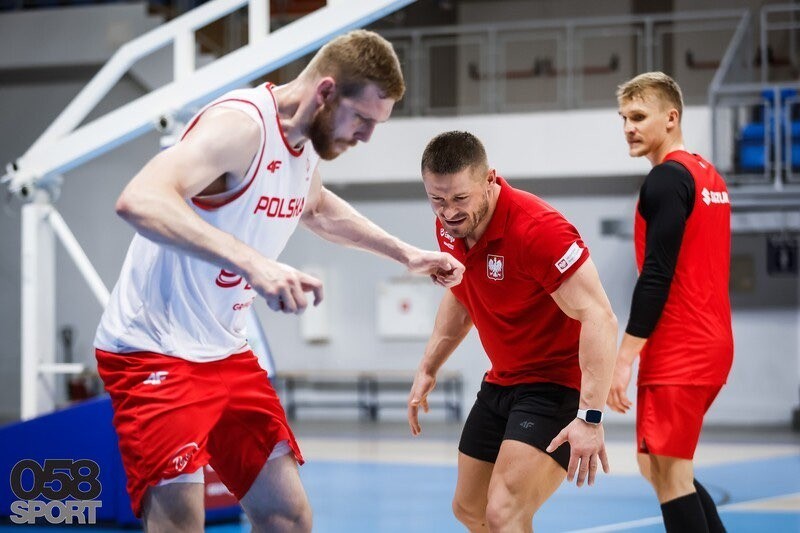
534	296
680	319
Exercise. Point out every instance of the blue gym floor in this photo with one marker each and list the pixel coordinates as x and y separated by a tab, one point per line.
377	497
371	490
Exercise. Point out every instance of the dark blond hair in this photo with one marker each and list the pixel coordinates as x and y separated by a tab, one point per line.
357	59
657	83
452	152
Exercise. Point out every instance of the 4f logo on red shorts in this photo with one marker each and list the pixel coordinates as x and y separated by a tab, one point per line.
495	267
156	378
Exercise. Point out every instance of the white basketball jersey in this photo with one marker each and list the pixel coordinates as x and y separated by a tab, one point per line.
171	303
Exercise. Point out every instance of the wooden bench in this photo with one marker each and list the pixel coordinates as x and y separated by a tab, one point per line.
369	391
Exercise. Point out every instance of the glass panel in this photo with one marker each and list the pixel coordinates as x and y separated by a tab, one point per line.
531	71
691	54
455	74
604	59
783	47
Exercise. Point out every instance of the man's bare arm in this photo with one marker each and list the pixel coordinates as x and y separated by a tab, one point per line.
335	220
582	298
223	142
452	325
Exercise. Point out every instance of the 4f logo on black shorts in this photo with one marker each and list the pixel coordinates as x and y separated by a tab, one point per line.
72	487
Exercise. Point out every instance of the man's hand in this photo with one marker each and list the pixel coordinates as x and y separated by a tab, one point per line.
283	286
629	350
423	385
444	269
618	397
587	447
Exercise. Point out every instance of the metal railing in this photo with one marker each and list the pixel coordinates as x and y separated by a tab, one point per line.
789	22
755	118
531	65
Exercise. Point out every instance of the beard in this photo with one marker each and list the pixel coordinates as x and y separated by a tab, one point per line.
467	228
321	133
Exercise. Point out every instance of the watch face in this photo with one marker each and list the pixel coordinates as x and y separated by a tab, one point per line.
593	416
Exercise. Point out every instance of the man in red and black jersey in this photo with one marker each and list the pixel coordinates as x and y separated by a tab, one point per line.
533	294
680	320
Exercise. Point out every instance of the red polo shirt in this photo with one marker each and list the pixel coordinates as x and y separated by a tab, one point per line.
527	251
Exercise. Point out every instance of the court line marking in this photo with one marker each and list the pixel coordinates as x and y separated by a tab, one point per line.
652	520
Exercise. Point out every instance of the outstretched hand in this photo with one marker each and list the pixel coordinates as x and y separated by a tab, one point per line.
587	447
444	269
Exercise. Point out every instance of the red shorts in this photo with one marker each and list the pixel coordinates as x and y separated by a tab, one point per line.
669	418
174	416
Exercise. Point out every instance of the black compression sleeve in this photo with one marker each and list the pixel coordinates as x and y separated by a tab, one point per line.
665	202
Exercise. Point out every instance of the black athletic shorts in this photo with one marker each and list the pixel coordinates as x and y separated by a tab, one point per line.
533	413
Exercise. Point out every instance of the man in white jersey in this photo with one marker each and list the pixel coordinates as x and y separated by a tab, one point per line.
212	214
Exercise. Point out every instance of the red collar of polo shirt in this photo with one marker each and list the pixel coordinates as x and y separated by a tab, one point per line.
497	225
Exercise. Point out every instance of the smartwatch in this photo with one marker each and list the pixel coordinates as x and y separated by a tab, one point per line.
590	416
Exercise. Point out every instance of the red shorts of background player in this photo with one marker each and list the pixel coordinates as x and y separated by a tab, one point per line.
669	418
173	417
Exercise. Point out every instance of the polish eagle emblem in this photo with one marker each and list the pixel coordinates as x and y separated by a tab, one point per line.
494	266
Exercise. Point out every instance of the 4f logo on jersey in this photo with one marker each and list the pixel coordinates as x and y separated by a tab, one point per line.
156	378
228	280
495	267
274	165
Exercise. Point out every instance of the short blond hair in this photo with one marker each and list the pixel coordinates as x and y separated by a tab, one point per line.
659	84
357	59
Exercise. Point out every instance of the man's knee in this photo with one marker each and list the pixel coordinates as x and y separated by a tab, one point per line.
503	514
276	500
498	515
293	517
671	477
173	519
174	508
472	517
